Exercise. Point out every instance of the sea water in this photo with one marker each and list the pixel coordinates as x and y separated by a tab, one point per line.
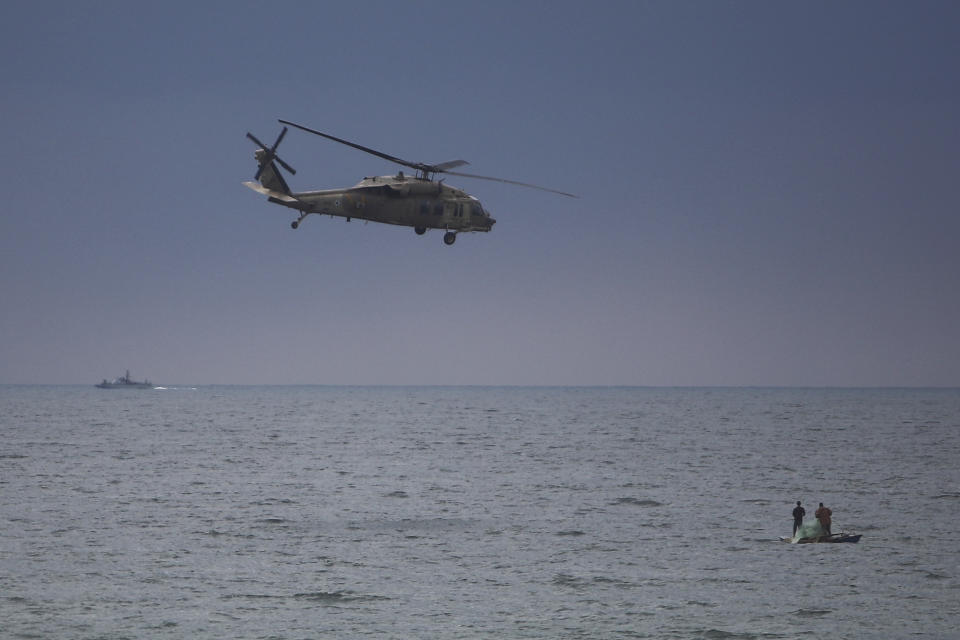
472	512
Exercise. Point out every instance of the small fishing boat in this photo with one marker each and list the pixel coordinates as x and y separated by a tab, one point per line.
842	536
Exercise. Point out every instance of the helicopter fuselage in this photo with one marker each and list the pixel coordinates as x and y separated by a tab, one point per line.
399	200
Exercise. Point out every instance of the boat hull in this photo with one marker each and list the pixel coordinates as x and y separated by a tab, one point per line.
836	537
133	385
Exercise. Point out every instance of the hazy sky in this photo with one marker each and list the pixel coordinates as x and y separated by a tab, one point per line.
769	193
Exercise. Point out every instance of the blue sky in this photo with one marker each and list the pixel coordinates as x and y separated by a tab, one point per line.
768	193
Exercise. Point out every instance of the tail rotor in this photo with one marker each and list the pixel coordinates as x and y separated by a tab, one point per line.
269	154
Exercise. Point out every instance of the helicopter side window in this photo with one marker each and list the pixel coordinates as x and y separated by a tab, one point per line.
424	207
438	209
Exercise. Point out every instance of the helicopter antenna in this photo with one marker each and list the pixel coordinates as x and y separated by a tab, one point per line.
424	171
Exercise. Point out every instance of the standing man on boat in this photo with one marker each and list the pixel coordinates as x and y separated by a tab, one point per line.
823	515
798	513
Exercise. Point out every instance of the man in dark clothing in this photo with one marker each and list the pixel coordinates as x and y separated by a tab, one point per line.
798	513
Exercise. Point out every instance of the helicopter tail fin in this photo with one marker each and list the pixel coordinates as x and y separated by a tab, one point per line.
279	197
269	174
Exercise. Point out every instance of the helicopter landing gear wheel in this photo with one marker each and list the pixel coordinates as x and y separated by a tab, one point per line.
449	237
420	230
294	224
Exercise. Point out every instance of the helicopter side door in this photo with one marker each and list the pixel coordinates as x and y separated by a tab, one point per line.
450	212
429	213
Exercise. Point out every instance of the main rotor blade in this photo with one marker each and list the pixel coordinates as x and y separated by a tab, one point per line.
443	167
379	154
514	182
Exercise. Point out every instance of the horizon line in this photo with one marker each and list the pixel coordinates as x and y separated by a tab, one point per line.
500	386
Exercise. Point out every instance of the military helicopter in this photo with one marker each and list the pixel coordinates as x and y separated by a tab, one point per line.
416	201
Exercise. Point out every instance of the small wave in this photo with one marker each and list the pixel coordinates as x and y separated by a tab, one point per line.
398	494
337	596
700	603
947	496
604	580
65	530
719	634
323	596
567	580
812	613
637	502
572	532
